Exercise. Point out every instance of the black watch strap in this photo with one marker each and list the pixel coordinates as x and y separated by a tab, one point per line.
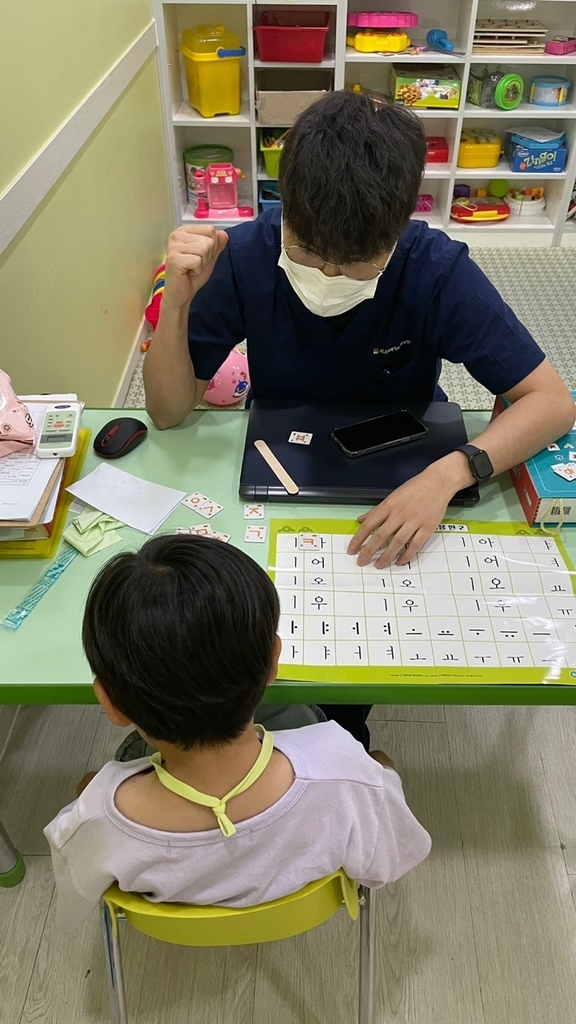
480	465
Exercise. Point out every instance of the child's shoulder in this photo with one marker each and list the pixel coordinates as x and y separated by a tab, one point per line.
326	751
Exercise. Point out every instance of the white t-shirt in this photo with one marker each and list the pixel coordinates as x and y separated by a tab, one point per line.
342	810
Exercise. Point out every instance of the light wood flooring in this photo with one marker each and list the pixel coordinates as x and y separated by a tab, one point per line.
484	932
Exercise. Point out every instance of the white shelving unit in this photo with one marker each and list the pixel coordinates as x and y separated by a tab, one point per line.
185	127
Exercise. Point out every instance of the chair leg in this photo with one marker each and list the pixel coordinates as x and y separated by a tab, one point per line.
367	951
116	992
12	868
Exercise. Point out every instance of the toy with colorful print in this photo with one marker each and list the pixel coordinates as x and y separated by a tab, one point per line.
231	382
152	311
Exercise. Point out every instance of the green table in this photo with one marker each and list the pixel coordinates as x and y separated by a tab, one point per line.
42	662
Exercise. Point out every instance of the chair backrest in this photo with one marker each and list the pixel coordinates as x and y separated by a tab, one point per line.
223	926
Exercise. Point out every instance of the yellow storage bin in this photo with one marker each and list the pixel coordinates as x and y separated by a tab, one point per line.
212	58
479	147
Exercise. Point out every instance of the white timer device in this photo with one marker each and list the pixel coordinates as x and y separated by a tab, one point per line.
59	432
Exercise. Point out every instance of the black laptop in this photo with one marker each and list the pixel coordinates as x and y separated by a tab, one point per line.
323	473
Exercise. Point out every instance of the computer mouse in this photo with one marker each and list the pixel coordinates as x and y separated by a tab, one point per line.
120	436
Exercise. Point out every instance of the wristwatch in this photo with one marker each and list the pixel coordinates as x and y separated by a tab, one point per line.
480	464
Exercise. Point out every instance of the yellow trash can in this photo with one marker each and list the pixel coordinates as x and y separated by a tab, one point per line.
212	57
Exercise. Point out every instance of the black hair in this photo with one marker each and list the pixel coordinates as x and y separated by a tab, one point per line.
350	174
181	634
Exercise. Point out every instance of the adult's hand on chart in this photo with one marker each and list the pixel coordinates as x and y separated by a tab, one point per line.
190	260
403	521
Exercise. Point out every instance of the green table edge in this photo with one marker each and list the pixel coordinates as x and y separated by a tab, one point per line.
333	693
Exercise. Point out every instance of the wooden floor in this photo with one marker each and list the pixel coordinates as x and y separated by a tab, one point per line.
484	932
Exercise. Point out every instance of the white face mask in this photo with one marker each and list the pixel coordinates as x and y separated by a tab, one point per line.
322	295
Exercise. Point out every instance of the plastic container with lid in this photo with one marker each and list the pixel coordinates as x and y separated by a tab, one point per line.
549	91
495	88
295	36
371	41
382	19
479	147
212	58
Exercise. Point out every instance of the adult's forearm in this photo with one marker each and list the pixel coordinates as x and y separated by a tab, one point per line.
532	421
169	379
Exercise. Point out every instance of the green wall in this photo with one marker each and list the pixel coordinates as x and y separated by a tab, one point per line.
75	280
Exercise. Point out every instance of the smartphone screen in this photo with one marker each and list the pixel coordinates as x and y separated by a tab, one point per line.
379	432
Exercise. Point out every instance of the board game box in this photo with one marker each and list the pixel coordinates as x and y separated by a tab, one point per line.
545	496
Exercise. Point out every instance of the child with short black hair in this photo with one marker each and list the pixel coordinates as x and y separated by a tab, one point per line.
181	637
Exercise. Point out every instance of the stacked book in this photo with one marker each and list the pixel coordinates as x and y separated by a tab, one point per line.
33	500
508	37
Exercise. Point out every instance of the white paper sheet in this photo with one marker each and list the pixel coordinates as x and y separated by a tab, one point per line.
138	503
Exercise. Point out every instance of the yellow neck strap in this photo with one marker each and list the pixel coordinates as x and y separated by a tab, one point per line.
218	805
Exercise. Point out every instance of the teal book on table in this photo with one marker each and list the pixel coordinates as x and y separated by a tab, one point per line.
545	496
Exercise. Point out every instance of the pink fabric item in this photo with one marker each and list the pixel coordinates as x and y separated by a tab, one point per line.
16	427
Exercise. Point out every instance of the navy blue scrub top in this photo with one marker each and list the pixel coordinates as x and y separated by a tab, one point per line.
432	303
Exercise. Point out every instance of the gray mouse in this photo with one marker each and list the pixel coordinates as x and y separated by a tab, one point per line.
119	436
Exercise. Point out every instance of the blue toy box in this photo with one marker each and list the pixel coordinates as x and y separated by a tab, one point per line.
535	149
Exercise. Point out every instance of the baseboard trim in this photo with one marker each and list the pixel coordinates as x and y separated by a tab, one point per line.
8	714
131	364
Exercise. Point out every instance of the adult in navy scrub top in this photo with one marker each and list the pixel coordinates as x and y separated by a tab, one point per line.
341	296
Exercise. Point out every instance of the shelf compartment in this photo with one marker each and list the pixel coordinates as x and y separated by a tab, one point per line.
328	62
539	223
357	57
189	218
502	170
524	110
186	115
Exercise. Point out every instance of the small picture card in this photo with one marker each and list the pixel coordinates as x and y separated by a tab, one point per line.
572	456
218	535
208	509
194	500
253	511
255	535
297	437
568	445
309	542
567	472
202	530
553	447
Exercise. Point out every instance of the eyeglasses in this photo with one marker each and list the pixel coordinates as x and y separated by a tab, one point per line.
357	270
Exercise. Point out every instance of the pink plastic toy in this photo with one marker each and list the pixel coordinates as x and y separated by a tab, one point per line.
231	382
384	19
560	45
425	203
217	189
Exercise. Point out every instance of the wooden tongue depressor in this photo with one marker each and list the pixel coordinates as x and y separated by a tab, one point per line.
276	467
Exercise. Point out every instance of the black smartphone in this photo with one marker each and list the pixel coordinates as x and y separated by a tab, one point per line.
379	432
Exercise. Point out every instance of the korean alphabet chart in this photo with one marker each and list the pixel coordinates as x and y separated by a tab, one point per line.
481	602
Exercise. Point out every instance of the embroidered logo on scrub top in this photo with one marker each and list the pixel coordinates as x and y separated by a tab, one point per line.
393	348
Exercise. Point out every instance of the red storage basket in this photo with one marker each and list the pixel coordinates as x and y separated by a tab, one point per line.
297	37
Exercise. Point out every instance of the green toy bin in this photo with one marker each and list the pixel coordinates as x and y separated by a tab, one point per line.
271	154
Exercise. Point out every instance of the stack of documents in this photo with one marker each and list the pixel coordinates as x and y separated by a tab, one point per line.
30	487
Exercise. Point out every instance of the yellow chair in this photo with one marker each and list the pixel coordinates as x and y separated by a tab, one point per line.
220	926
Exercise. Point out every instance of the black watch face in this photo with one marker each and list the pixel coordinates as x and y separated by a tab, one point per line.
481	466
